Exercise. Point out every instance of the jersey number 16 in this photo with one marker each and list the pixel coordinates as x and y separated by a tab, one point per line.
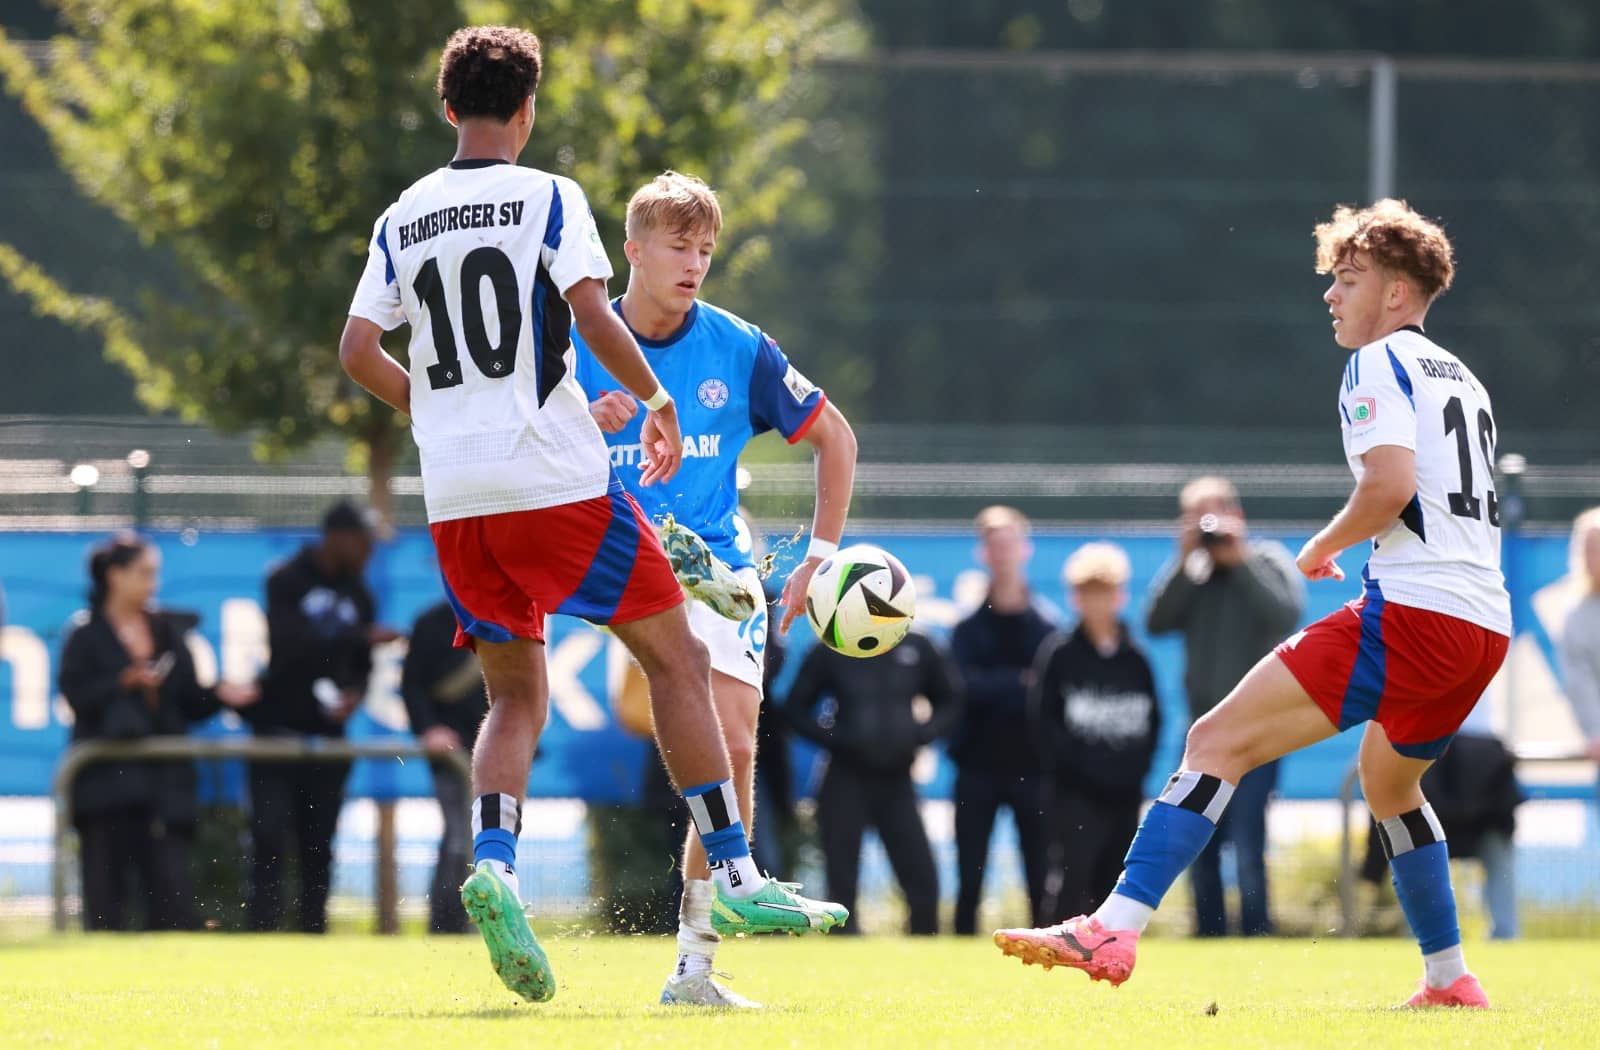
1464	504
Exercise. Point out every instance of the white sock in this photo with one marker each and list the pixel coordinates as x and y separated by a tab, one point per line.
697	941
738	877
1444	968
507	876
1124	913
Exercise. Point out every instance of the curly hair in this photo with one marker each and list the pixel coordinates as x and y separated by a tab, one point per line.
1397	238
674	202
487	71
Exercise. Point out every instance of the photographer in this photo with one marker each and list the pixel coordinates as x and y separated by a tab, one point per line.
1233	599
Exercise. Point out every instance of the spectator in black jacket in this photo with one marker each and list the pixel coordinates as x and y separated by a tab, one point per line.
446	700
321	632
127	674
1098	720
996	762
872	736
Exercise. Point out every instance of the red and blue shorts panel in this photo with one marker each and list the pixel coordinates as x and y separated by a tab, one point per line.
1415	672
598	559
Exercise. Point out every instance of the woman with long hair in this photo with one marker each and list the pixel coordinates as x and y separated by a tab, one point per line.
126	673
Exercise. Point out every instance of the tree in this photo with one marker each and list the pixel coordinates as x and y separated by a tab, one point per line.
256	143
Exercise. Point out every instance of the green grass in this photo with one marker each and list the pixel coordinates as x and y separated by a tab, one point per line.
343	991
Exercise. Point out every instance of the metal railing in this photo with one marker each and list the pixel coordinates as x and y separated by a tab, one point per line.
1348	924
251	749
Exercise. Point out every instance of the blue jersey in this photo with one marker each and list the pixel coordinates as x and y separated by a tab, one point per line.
730	382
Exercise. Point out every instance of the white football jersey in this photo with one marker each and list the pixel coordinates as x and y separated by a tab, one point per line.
1443	553
477	257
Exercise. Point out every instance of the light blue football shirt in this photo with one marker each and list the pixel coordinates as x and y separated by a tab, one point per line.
730	382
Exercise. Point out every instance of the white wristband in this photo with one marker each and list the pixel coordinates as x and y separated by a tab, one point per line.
656	400
821	548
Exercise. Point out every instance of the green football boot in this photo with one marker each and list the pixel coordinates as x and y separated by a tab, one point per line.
704	576
776	907
517	957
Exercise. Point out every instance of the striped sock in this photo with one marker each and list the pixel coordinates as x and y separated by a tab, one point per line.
715	809
1419	864
1170	837
496	823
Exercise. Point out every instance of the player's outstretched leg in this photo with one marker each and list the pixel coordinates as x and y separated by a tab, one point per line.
1267	715
518	697
1419	865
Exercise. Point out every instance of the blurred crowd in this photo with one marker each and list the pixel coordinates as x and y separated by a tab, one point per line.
1051	716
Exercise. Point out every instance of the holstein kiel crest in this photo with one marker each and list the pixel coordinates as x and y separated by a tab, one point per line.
713	393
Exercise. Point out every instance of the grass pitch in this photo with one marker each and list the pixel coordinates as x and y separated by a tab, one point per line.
355	990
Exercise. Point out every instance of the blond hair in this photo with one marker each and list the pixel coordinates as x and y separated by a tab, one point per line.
1578	565
1398	239
1000	517
1097	563
674	202
1207	487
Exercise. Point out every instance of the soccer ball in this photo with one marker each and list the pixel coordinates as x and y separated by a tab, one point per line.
861	601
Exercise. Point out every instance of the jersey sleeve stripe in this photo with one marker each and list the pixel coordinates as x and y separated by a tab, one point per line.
552	226
1401	377
801	431
1346	413
388	260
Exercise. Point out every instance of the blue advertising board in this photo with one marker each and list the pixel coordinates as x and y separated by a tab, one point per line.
584	753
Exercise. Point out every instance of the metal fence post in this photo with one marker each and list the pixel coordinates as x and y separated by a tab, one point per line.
1380	157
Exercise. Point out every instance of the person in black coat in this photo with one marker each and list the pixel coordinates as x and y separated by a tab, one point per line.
996	763
446	700
872	737
321	630
1097	722
127	674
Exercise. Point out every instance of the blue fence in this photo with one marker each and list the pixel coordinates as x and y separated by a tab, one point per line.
584	754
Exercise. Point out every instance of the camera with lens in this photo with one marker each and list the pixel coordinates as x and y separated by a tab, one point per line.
1211	533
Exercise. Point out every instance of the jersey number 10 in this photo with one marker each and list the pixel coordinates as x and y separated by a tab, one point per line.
1464	504
495	362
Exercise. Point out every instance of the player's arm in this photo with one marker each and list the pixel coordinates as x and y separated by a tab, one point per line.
833	446
614	347
1378	410
365	360
375	309
1388	482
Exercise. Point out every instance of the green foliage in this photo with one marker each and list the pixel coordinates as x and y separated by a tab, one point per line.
257	143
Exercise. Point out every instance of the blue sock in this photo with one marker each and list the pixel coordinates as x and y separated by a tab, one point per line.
1419	862
496	822
1172	835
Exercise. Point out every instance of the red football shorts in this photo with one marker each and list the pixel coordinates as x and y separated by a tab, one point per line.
1416	673
598	559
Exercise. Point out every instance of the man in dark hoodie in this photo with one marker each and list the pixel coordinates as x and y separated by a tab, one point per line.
321	630
872	737
996	763
1097	723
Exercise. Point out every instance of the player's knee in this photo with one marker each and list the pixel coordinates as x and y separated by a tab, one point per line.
1212	747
